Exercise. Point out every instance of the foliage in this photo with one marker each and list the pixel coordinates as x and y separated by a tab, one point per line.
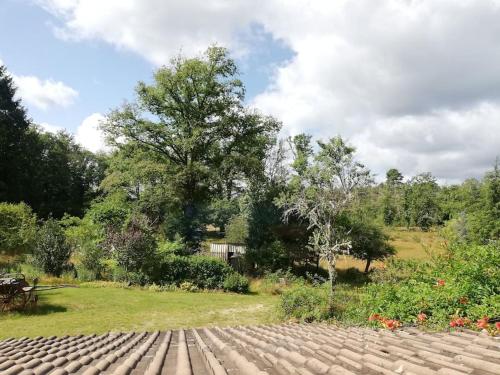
277	282
237	283
86	240
134	246
14	141
203	272
237	230
111	211
305	303
420	201
464	282
166	248
369	242
193	120
222	211
326	191
51	251
17	228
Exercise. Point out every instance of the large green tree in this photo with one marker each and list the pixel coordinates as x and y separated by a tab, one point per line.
14	129
193	118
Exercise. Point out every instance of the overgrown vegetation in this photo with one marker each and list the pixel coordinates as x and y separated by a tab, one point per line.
464	283
188	155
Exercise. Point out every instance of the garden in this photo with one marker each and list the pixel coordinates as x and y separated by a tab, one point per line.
128	232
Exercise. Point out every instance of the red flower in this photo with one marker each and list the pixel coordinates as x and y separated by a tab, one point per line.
374	317
463	300
459	322
391	324
497	326
440	282
421	317
483	323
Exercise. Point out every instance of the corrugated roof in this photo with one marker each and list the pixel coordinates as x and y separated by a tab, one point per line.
267	349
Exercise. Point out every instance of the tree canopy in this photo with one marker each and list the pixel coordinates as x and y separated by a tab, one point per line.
193	119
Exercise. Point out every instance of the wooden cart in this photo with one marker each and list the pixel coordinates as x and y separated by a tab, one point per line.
16	293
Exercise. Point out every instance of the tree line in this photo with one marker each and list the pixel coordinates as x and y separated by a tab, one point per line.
190	161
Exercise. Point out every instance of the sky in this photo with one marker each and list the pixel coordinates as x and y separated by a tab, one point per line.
413	84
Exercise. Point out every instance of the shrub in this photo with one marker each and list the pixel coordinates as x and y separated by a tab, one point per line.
51	252
166	248
85	238
134	246
276	282
464	282
305	303
237	283
17	228
204	272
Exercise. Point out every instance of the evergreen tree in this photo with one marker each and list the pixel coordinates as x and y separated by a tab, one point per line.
14	129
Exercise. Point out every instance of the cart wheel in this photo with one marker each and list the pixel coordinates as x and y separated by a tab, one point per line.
19	301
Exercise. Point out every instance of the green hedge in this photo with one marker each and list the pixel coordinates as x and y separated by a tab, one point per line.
203	272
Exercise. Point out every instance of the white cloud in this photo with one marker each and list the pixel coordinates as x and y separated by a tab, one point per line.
51	128
44	94
452	144
414	83
89	135
156	29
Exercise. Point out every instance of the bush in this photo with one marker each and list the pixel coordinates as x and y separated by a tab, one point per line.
237	230
464	282
203	272
276	282
166	248
85	238
305	303
51	252
134	246
17	228
237	283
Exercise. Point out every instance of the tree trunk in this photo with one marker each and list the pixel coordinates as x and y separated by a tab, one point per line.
332	275
368	262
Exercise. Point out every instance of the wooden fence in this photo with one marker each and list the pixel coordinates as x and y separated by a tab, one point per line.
225	250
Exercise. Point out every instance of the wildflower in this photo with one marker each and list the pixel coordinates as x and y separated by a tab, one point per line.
453	324
497	326
374	317
421	317
483	323
440	282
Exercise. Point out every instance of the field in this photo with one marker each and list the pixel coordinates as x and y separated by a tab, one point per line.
86	310
409	244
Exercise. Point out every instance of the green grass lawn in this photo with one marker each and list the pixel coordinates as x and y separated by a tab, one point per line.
96	310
